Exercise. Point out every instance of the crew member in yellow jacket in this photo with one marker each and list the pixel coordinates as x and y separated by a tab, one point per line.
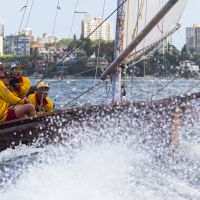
10	107
19	85
41	101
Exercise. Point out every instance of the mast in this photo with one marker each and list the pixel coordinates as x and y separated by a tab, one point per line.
116	85
166	8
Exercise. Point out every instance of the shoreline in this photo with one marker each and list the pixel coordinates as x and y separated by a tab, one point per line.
128	78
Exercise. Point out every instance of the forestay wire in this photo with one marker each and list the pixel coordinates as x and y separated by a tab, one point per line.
70	31
29	14
61	73
55	18
23	15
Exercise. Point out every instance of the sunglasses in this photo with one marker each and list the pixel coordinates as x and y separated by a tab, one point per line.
18	68
43	89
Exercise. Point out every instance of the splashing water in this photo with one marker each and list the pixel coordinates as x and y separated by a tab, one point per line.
105	161
120	169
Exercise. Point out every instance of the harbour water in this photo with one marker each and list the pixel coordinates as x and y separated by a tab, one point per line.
94	167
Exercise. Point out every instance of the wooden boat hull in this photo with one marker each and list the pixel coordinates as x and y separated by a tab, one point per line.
43	129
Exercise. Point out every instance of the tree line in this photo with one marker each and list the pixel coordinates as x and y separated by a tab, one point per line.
156	64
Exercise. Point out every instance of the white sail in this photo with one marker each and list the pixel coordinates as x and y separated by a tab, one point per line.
139	12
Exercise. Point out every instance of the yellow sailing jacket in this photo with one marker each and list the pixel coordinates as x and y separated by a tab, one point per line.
47	105
24	86
7	98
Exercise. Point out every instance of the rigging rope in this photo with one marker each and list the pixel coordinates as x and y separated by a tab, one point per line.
23	8
83	93
139	14
61	74
161	89
165	86
70	32
19	31
84	39
54	24
99	44
29	14
192	88
145	39
135	32
73	75
108	92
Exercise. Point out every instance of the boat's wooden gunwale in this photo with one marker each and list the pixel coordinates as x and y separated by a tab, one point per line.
26	131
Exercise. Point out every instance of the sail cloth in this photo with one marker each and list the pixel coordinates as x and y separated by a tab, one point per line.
138	13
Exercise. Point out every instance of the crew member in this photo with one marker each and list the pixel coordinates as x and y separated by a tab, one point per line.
19	85
10	107
41	101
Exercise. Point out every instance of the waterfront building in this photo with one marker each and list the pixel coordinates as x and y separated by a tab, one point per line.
38	49
189	65
17	45
104	32
193	39
46	38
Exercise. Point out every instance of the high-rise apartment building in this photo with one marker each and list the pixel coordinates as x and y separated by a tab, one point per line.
104	32
193	39
17	44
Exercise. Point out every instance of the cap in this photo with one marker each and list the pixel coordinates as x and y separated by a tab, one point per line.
42	84
15	64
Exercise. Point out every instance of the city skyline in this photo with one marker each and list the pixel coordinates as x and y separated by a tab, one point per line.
42	17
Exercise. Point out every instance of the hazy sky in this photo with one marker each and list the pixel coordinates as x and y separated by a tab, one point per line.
43	14
44	11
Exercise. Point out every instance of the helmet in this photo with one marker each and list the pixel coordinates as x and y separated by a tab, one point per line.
1	64
42	84
15	64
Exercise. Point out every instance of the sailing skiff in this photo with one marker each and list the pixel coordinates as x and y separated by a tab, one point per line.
43	129
53	127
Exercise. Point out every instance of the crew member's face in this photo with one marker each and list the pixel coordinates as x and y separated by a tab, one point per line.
43	91
17	72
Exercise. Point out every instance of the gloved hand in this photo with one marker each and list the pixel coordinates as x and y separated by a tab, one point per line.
27	101
14	84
